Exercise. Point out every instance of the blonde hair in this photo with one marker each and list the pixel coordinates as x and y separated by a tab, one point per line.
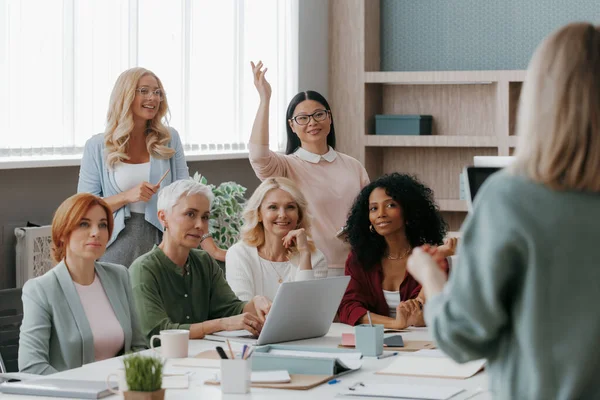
119	120
558	119
253	231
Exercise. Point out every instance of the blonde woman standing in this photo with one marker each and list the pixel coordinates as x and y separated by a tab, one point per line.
275	245
524	292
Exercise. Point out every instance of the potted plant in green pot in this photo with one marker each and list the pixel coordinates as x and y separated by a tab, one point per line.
226	211
144	378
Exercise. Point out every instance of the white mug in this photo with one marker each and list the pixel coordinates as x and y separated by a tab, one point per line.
120	375
173	343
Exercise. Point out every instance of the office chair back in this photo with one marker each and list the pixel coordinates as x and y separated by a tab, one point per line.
11	316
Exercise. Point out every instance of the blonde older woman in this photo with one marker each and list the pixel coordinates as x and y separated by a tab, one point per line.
178	286
275	245
524	291
125	164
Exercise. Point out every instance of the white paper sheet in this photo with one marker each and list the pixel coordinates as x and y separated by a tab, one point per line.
279	376
403	391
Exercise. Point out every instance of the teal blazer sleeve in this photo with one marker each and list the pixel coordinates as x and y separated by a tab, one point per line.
55	334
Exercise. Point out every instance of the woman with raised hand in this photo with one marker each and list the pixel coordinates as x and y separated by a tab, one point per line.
524	290
390	217
328	179
274	246
128	163
81	310
178	286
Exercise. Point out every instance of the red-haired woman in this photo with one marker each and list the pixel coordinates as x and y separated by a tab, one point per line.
81	310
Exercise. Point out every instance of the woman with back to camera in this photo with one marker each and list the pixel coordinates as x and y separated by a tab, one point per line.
524	292
391	216
126	163
328	179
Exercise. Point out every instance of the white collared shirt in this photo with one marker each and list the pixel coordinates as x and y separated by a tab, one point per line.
306	155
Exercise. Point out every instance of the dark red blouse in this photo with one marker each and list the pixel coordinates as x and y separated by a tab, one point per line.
364	292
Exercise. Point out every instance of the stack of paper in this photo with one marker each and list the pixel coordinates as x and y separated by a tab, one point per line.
432	363
403	391
265	377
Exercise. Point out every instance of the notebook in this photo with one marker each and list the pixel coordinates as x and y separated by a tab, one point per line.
402	391
59	388
435	365
265	377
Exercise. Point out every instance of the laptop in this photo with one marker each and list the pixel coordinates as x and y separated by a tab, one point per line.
300	310
475	178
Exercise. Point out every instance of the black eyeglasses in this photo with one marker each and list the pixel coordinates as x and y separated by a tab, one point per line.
318	116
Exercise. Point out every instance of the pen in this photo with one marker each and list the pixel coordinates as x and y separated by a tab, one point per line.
386	355
249	354
244	349
222	353
333	381
163	177
369	317
230	350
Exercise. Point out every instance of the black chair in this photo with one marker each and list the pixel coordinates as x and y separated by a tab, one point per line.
11	316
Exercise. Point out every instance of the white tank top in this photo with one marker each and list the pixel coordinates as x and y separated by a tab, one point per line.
393	300
131	175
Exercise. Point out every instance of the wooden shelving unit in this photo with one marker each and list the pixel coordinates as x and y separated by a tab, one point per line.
474	112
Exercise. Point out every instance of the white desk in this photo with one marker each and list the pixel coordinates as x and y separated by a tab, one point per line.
197	390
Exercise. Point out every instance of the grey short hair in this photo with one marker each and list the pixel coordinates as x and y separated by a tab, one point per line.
169	195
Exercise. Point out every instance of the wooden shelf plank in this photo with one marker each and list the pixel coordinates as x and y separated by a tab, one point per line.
453	205
443	77
430	141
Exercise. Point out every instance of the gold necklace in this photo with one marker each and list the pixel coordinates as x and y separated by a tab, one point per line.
399	257
280	280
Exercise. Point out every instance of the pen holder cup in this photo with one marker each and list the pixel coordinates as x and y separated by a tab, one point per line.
236	376
369	339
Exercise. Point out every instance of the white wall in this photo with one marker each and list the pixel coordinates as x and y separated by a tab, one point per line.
313	46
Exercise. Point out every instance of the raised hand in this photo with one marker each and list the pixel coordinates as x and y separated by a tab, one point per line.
142	192
297	238
261	83
246	321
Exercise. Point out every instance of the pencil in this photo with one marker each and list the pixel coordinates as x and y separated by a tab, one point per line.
230	351
163	177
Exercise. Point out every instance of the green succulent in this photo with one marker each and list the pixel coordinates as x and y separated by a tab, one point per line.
143	373
226	212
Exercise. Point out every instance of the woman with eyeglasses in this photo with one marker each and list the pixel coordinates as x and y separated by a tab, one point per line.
328	179
127	164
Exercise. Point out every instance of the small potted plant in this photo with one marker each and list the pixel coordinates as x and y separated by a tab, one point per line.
144	378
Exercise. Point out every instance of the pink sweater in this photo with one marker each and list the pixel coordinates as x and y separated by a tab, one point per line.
330	188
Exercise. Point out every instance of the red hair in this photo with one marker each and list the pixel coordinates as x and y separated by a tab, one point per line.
67	217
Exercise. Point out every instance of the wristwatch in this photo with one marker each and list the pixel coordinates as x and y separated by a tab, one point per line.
206	235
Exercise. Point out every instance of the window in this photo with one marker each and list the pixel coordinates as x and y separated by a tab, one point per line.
59	60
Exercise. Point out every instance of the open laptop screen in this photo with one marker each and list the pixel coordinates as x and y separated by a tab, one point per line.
475	178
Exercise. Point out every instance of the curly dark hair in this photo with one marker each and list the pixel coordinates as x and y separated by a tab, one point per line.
424	223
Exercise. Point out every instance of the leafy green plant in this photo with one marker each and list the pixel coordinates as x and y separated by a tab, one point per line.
226	212
143	373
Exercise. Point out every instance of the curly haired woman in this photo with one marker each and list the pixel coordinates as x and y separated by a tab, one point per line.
390	217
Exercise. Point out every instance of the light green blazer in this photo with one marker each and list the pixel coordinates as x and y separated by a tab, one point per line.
55	334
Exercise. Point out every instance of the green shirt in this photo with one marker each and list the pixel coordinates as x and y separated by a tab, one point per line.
524	292
171	297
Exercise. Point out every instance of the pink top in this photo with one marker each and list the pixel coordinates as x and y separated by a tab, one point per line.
109	337
330	184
